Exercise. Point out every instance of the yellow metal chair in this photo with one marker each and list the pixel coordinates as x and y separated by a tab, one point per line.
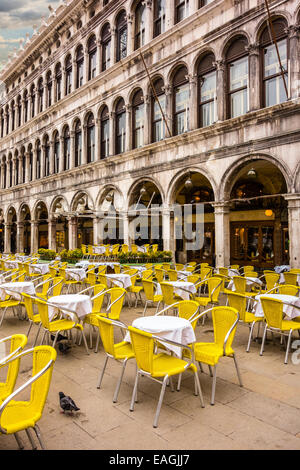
147	274
154	248
225	320
124	249
149	289
68	282
179	267
97	300
213	287
45	285
240	284
271	280
120	352
158	366
56	326
33	317
19	415
239	302
290	278
194	278
134	249
159	274
248	270
169	297
273	312
53	271
10	301
13	344
172	274
54	290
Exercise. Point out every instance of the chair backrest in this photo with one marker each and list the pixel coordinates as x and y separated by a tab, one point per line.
239	284
117	268
295	271
173	275
117	297
223	271
115	250
159	274
206	271
239	302
124	249
62	273
149	289
102	269
188	309
19	276
43	312
90	250
57	285
214	288
106	329
168	293
273	311
134	248
28	302
235	266
194	278
102	279
154	248
286	289
26	268
224	321
166	266
98	300
179	266
147	274
290	278
46	283
17	344
84	250
248	268
143	348
271	279
52	271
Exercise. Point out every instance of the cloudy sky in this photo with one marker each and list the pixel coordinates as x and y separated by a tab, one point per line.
17	18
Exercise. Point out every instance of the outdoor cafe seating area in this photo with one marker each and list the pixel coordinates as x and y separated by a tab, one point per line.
171	304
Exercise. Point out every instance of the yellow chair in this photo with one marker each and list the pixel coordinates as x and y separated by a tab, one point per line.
13	344
68	282
187	309
273	312
124	249
248	270
213	287
225	320
169	297
34	318
240	284
45	284
290	278
53	271
173	275
239	302
91	276
159	274
10	301
135	289
19	415
55	289
205	272
147	274
134	249
158	366
55	327
179	267
194	278
120	352
271	280
154	248
149	290
115	250
97	300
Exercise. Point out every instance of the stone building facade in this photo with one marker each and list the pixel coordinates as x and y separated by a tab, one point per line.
82	133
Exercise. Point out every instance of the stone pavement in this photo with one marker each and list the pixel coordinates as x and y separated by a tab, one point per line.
263	414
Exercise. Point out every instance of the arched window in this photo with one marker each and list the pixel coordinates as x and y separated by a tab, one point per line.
10	163
4	173
38	159
237	61
47	156
140	22
121	26
138	119
40	95
13	115
79	66
58	80
67	148
158	124
19	107
2	123
68	75
25	106
159	17
181	95
207	91
90	138
273	84
56	152
104	118
49	88
120	126
78	144
92	53
106	46
32	97
181	10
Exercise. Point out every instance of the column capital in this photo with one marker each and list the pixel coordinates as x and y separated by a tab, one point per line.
253	49
292	31
220	65
221	207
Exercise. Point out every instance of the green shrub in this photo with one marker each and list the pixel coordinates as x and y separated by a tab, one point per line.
47	255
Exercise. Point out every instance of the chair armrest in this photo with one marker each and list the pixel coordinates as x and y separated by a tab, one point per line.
229	333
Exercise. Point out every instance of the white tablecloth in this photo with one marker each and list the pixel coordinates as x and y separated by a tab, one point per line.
289	310
19	287
142	249
169	327
250	281
76	274
42	268
80	303
178	289
11	264
280	269
184	274
86	264
124	278
99	250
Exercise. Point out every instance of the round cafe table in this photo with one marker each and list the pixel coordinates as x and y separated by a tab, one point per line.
79	303
121	280
289	309
180	288
41	268
170	327
77	274
18	287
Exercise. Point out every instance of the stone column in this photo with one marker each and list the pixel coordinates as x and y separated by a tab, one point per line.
23	112
14	174
96	239
126	229
61	156
222	234
45	92
72	229
2	175
34	236
112	130
99	57
128	143
7	237
52	234
7	174
254	77
170	14
169	109
294	224
221	107
34	164
166	228
20	237
51	156
113	47
294	61
194	6
27	167
84	144
97	140
74	66
130	34
43	161
72	149
149	21
63	83
86	67
147	118
193	108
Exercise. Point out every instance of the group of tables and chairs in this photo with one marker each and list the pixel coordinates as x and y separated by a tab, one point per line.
109	252
90	297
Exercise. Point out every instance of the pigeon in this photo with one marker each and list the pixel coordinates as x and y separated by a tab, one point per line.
64	347
66	403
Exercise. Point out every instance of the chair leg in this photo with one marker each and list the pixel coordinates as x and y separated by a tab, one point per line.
102	373
39	436
97	343
119	382
210	371
43	337
19	441
134	392
250	336
33	444
85	343
288	347
238	370
29	329
212	402
37	335
161	397
145	308
198	386
263	340
179	383
2	317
